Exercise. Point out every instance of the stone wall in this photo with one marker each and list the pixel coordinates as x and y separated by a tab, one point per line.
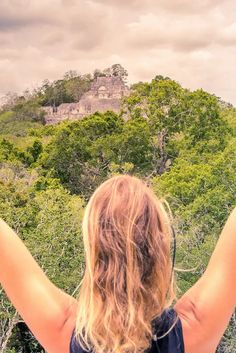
105	94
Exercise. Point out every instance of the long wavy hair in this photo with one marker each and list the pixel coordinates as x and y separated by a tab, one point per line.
127	281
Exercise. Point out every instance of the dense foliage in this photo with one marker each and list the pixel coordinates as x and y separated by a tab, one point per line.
183	143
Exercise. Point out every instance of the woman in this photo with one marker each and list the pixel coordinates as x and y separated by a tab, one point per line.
125	299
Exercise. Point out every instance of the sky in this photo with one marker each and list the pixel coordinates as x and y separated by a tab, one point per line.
192	42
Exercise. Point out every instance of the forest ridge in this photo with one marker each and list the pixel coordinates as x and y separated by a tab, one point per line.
182	143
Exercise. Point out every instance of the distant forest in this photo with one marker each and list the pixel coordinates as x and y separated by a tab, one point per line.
182	142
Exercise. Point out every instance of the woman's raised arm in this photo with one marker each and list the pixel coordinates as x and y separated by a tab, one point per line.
206	308
44	307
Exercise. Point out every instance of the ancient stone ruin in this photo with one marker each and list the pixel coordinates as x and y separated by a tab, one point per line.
105	94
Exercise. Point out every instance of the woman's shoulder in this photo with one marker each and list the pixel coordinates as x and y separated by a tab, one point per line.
74	344
168	332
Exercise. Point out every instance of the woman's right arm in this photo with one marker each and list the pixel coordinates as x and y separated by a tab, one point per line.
206	308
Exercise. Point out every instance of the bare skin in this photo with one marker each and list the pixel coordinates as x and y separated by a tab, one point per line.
204	310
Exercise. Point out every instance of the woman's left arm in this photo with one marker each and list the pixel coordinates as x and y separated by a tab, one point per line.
48	311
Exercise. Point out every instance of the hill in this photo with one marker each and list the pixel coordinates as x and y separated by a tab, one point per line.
182	143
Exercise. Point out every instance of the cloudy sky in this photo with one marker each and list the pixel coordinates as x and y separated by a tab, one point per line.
193	42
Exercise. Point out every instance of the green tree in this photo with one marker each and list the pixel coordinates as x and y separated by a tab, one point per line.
70	154
161	104
81	153
35	150
177	118
205	127
29	110
49	222
116	70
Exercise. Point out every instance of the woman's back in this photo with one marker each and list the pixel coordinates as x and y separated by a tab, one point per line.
168	336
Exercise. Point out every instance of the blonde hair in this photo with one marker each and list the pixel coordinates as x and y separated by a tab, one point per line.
127	281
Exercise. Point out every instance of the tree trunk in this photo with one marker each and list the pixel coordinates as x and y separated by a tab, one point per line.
7	334
161	136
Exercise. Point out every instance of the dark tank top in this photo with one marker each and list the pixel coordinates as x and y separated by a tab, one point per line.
170	343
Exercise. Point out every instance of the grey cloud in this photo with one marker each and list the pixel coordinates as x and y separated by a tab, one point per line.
9	54
173	6
52	38
4	40
185	6
14	21
157	41
228	35
177	38
11	23
153	32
